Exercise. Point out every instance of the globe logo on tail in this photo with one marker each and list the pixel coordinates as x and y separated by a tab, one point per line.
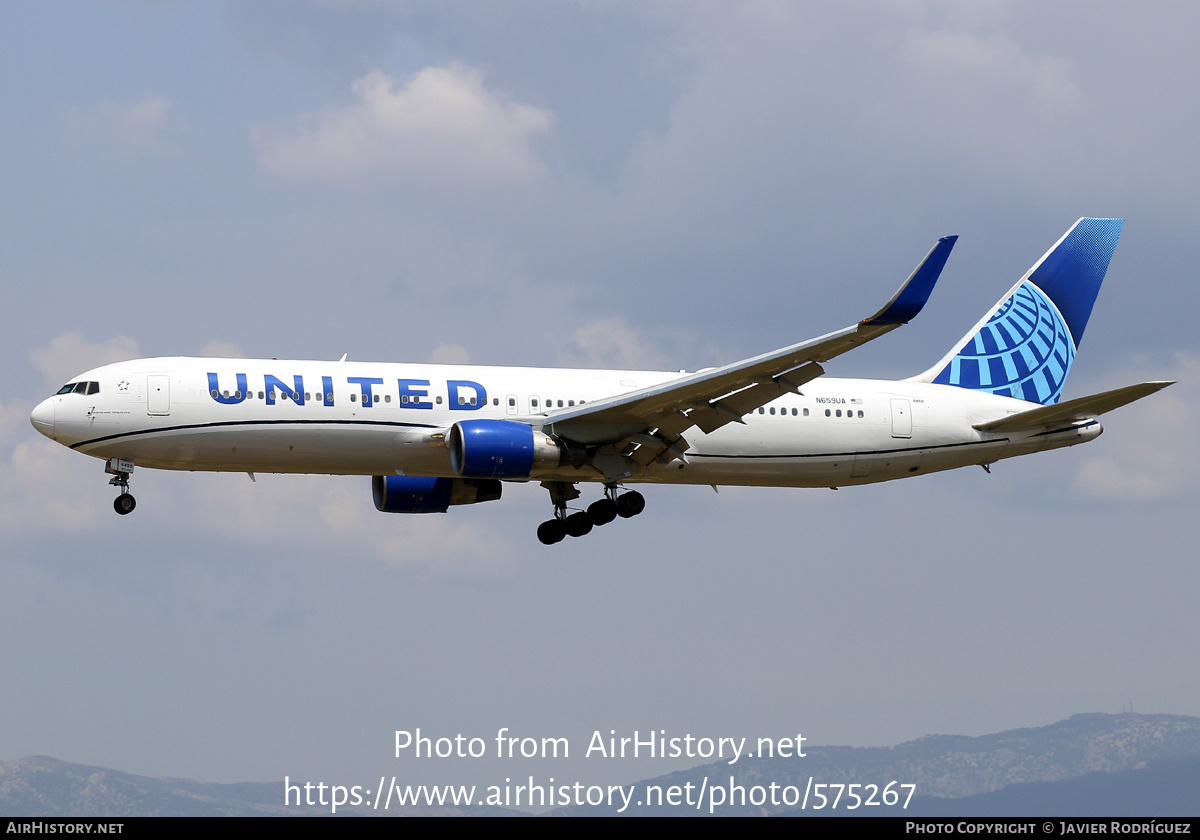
1023	351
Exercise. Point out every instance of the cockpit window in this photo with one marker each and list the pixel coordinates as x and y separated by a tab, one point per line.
80	388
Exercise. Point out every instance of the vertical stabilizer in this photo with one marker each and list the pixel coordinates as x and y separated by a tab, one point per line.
1025	345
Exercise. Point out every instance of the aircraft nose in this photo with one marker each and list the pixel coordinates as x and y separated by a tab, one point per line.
42	417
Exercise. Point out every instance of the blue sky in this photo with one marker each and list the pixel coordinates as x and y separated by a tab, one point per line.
590	184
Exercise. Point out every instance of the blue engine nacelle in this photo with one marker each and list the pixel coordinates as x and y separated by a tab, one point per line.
508	449
418	494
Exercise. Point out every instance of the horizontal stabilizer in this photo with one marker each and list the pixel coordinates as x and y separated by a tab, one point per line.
1078	409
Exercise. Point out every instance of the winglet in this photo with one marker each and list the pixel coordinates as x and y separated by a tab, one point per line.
910	299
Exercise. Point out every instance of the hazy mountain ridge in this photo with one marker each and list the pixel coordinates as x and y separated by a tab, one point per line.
955	765
951	766
1165	787
41	786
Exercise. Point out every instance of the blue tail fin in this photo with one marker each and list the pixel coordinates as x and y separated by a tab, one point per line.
1024	346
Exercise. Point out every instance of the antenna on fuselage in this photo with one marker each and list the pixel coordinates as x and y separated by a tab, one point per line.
344	355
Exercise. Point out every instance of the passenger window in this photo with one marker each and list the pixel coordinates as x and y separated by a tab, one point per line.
570	402
806	412
762	410
353	397
533	402
439	400
388	398
860	414
512	401
496	401
560	403
827	412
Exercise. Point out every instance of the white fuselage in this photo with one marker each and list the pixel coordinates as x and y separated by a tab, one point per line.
359	418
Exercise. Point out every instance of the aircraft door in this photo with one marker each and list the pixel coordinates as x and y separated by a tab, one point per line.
511	403
158	394
901	419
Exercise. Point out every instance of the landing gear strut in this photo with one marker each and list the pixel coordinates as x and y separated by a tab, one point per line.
120	470
553	530
581	522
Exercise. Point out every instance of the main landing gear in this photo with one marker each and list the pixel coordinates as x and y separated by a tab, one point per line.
581	522
120	470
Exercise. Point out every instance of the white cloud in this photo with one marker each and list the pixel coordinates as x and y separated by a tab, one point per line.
142	126
71	354
337	513
1146	455
450	354
999	57
43	485
14	419
222	350
610	343
47	488
441	123
1107	479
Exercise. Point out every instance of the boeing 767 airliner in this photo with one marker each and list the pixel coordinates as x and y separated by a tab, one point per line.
433	436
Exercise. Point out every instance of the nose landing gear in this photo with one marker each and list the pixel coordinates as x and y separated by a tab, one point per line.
119	470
